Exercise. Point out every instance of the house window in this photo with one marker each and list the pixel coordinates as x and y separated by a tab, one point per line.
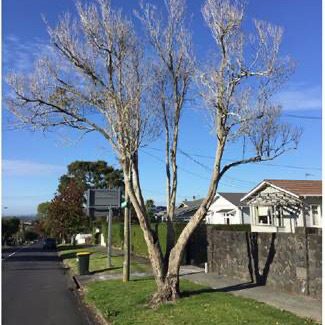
264	214
315	215
279	215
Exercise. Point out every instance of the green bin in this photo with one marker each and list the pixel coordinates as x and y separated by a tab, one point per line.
83	262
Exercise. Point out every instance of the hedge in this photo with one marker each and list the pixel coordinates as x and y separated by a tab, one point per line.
138	244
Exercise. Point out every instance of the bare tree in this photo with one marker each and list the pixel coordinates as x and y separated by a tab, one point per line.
237	91
173	70
96	80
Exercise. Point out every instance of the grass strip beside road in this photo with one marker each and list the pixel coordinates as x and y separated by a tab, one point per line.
126	303
98	260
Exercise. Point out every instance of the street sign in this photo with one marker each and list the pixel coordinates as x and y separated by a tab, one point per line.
98	201
124	204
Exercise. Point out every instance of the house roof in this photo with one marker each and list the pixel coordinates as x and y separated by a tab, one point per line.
191	204
297	188
225	210
186	207
233	198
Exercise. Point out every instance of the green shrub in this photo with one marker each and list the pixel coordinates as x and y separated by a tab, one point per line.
117	233
138	244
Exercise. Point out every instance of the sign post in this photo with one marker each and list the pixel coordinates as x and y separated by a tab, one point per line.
97	203
109	237
126	246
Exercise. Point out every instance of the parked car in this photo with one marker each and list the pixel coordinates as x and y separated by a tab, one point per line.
49	243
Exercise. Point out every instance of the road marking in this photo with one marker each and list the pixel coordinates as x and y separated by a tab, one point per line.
4	258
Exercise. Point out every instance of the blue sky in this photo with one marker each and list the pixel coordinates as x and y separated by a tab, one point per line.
32	162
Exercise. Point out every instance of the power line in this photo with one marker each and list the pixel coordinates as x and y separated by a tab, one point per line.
210	169
181	168
304	117
197	175
264	163
293	167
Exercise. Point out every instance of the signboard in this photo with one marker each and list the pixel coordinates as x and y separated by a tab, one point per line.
98	201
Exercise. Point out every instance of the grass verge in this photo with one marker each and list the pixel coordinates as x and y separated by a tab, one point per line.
98	260
125	303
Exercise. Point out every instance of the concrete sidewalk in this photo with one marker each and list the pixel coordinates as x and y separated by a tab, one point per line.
302	306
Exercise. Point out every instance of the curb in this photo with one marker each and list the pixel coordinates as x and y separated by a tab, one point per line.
77	283
92	313
91	309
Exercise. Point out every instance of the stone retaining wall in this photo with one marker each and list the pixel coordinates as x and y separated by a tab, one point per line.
277	260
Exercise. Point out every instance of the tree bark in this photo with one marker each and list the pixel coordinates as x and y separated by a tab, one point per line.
151	239
168	291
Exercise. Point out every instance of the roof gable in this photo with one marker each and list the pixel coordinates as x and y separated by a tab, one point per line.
297	188
191	204
233	198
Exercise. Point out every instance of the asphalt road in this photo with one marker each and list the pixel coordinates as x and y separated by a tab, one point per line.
36	290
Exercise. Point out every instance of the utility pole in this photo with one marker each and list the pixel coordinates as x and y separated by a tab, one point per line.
126	246
109	237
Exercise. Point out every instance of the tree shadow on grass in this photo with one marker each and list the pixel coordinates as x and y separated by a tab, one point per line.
144	278
106	269
232	288
191	273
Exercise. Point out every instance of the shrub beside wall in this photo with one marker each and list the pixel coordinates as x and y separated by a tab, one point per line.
117	233
138	244
196	250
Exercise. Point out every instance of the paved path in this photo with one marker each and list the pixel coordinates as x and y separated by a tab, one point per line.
35	289
302	306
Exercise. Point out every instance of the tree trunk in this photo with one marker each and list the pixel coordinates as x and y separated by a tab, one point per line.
151	239
168	291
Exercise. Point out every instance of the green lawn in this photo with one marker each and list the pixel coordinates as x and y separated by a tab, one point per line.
125	303
98	260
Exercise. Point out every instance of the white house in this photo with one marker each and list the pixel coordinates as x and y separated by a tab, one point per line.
82	239
283	205
228	209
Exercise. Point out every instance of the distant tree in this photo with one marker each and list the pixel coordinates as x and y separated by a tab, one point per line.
30	235
39	227
65	214
150	204
10	226
92	174
42	218
42	209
